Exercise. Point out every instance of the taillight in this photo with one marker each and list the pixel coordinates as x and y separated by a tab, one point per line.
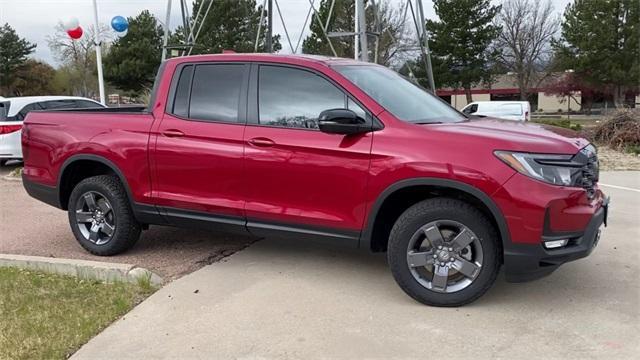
7	129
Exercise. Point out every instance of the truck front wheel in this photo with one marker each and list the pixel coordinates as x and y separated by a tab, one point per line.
101	217
443	252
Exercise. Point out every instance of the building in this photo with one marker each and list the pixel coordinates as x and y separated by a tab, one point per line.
505	88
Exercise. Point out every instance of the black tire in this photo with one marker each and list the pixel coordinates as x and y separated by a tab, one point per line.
3	162
126	228
439	209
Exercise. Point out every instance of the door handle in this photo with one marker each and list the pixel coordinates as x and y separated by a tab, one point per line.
173	133
262	142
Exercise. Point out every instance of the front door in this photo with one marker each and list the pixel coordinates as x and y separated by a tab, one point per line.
298	178
198	152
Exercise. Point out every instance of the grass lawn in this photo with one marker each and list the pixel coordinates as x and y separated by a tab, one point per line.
45	316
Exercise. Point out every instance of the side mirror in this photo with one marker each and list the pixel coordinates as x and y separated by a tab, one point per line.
341	121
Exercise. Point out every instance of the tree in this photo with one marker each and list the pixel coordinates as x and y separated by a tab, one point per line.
13	54
229	25
133	60
600	42
460	42
78	58
524	44
392	39
34	78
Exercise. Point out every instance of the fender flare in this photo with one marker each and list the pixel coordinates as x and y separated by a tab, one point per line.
367	233
100	159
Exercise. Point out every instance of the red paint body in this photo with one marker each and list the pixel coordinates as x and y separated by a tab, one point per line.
305	177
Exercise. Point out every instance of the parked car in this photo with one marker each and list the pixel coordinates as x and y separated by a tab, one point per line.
13	111
507	110
327	149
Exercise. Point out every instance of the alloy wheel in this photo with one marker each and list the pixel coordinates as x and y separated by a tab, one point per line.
444	256
95	217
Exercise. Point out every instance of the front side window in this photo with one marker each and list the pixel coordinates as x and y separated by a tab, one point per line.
400	97
470	109
215	92
295	98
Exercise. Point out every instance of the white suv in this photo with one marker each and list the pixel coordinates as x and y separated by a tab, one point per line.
13	111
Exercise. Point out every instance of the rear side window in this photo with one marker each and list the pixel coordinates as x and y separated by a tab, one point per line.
215	92
85	104
59	104
181	101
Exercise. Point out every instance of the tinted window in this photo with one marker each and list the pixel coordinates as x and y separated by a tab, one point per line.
294	98
181	101
471	109
85	104
59	104
215	92
403	99
23	113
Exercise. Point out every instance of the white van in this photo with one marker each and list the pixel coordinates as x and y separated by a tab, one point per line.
508	110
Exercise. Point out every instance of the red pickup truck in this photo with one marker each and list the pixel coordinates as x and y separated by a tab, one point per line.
323	148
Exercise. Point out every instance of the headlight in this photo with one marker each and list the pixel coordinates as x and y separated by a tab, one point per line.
552	169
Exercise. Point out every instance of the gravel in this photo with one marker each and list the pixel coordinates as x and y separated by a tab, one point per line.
29	227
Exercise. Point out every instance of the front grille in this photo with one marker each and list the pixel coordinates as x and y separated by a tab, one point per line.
590	171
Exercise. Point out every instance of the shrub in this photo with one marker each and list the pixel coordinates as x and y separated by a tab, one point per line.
620	131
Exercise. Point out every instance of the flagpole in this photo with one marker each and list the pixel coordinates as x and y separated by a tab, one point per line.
98	52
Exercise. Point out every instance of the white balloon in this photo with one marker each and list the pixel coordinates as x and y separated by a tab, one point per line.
72	23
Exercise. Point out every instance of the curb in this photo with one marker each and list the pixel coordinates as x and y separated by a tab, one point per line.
12	178
83	269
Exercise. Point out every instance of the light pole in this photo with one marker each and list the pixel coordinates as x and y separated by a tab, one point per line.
98	52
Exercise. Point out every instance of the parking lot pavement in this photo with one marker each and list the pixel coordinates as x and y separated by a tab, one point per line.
292	299
29	227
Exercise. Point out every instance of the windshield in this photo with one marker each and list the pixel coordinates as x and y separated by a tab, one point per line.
403	99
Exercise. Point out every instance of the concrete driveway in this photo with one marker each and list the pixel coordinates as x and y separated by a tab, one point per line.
292	299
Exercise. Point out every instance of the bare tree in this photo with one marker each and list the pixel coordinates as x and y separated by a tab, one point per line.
78	58
528	28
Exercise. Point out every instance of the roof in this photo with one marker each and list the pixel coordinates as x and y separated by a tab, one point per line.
17	103
286	58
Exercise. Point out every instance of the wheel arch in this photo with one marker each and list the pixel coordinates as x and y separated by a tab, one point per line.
97	165
410	191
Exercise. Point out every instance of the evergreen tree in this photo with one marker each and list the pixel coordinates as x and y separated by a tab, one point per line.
230	25
13	54
342	20
460	43
132	60
601	43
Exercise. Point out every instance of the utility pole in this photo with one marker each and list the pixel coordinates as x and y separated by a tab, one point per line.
269	42
96	39
166	30
425	38
361	32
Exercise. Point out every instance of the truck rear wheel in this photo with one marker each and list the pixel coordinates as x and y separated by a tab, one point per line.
101	217
443	252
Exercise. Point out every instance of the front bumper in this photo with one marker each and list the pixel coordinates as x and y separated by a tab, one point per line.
525	262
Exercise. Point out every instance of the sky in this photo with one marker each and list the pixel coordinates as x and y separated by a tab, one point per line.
36	19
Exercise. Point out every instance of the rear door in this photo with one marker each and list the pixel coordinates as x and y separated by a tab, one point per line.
299	179
198	147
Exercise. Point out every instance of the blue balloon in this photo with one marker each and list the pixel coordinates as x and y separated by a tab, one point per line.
119	23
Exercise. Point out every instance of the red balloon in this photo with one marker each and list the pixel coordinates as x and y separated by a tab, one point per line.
76	33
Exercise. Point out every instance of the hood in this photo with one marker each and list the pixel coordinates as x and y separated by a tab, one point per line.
518	136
